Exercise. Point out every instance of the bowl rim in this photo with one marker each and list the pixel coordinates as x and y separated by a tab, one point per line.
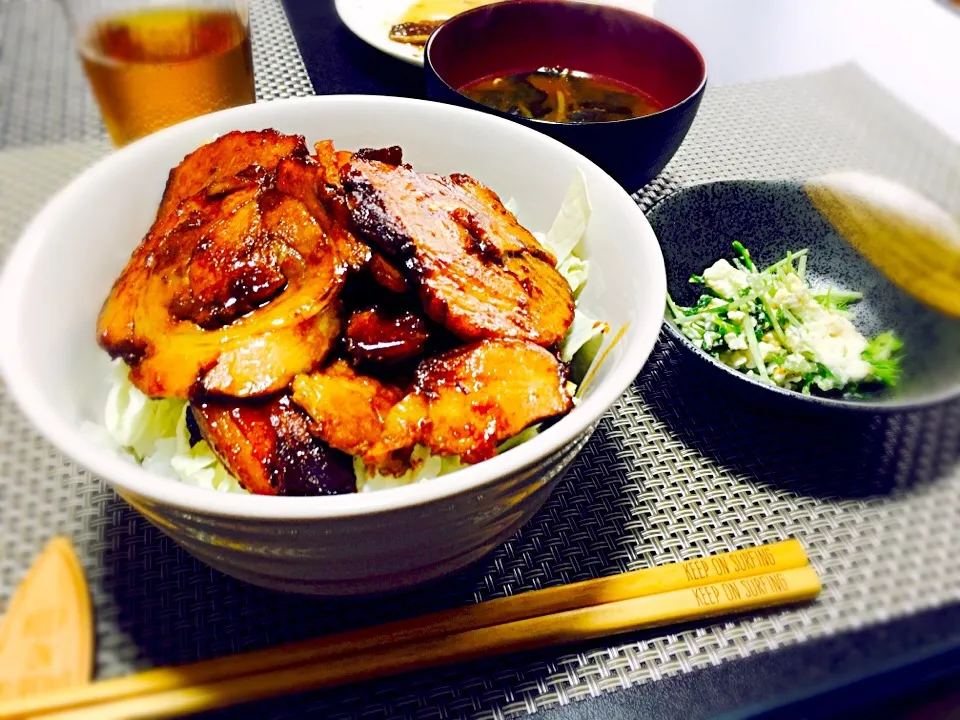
129	477
567	4
880	406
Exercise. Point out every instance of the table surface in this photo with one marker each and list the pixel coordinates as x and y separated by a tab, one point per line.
747	41
910	47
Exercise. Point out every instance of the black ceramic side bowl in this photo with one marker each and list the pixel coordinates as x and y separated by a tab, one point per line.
523	35
697	226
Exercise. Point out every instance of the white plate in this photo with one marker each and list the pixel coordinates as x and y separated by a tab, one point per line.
371	20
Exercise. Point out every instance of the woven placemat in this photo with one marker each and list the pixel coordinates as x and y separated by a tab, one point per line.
674	470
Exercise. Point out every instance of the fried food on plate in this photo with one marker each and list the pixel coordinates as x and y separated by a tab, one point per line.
413	33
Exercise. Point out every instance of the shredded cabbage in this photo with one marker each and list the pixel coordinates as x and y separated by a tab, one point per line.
584	329
519	439
424	465
574	271
563	241
154	431
571	222
133	420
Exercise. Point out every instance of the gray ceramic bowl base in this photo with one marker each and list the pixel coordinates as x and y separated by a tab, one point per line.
696	227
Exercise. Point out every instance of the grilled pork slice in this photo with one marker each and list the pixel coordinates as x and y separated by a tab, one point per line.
233	294
228	155
392	155
378	335
331	160
268	446
475	268
315	181
386	274
467	401
306	180
347	408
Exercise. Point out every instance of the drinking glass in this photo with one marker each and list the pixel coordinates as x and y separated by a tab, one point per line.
154	63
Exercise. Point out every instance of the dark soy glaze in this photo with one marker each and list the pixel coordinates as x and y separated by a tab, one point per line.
381	336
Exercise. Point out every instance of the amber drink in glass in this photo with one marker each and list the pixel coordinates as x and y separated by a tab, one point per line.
154	64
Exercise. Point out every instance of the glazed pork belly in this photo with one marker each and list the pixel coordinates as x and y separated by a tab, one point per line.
316	307
476	270
234	289
271	448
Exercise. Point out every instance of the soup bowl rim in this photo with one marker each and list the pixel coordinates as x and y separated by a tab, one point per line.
566	5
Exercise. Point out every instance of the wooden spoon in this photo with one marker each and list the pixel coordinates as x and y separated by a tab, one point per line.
46	639
911	240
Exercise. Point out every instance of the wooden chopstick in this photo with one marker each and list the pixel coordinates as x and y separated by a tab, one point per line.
572	626
583	611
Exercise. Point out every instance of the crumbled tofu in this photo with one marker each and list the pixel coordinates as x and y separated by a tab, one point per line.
834	340
798	364
735	342
724	279
777	374
768	349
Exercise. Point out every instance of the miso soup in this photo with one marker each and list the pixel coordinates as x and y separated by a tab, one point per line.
561	95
